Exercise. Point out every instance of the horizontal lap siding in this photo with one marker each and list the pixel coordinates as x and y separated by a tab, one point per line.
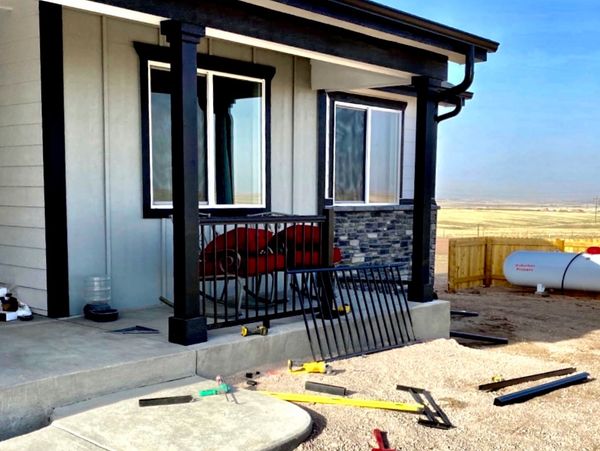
22	235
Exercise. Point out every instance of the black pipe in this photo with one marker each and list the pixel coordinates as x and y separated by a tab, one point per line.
528	393
467	81
458	104
492	386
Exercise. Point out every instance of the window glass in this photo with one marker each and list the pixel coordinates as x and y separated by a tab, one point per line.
384	156
237	109
350	152
160	127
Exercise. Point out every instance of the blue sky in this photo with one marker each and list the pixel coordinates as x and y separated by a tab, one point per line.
532	131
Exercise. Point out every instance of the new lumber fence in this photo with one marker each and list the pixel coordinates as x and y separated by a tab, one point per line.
476	262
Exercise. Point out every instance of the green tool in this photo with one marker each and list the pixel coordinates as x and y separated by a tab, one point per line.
220	390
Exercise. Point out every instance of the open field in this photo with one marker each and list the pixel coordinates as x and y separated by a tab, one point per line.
511	220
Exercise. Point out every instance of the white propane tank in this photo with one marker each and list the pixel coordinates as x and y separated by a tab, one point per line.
562	270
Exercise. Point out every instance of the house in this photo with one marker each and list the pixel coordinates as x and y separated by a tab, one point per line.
286	106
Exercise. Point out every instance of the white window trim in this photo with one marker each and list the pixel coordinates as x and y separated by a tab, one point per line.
369	109
210	141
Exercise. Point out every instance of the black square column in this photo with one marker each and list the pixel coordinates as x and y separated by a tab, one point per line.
186	327
421	287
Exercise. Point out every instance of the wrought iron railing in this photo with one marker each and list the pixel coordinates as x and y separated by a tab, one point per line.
244	265
354	310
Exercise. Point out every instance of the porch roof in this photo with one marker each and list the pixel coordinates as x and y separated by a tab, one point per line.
358	34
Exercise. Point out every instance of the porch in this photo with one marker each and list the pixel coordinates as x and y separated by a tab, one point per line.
72	360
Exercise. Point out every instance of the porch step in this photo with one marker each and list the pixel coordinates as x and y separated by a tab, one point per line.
256	422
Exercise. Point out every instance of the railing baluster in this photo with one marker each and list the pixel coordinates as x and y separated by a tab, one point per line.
387	293
373	282
358	304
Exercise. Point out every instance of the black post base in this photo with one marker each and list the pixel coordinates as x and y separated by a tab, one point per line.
187	331
420	293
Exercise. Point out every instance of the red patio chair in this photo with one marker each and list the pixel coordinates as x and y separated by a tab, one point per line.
240	253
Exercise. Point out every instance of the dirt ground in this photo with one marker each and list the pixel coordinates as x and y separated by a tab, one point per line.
545	333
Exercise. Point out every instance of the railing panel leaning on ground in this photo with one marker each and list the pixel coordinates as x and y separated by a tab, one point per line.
354	310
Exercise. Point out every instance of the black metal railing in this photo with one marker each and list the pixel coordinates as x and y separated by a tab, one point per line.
354	310
244	265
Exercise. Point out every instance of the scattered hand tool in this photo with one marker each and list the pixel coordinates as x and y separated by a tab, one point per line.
538	390
309	367
498	384
382	442
260	330
368	403
221	389
432	416
325	388
165	401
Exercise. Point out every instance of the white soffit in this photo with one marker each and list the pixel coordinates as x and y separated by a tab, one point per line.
299	12
382	95
128	14
334	77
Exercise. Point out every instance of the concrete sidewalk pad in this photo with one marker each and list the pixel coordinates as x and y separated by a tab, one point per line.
117	422
48	439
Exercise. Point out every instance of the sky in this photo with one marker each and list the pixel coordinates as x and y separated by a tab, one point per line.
531	132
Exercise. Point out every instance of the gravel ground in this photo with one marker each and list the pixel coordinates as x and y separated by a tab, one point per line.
564	419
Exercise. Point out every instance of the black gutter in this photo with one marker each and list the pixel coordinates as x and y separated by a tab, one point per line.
389	20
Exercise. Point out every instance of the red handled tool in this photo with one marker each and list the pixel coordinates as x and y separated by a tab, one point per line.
381	441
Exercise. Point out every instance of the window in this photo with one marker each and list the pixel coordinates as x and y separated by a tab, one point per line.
365	151
233	144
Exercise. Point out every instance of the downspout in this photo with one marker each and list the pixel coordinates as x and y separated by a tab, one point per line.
452	95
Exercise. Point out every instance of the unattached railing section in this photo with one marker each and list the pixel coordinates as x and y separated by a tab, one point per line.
244	262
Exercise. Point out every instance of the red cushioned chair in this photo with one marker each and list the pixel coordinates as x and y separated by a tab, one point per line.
303	243
241	253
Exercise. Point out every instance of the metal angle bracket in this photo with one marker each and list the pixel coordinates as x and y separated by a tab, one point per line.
433	416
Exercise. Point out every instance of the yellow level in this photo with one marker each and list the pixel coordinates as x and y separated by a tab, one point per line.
372	404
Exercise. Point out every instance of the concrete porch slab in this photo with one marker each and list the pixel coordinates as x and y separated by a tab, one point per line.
257	422
47	364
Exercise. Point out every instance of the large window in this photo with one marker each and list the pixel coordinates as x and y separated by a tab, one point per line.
366	152
231	137
232	133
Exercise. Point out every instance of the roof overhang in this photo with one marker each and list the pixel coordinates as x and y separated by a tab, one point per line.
387	23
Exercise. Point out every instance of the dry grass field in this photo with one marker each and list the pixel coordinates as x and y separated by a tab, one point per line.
524	221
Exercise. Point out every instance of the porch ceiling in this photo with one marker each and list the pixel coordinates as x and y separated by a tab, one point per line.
261	27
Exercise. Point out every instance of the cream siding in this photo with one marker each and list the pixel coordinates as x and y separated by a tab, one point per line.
106	229
22	234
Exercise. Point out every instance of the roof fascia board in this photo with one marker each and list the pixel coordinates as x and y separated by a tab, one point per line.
255	22
393	25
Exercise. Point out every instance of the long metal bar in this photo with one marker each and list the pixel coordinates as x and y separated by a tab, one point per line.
479	337
463	313
528	393
230	220
492	386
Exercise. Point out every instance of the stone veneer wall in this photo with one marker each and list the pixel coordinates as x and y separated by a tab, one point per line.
378	236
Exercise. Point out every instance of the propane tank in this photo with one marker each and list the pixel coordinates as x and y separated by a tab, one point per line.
561	270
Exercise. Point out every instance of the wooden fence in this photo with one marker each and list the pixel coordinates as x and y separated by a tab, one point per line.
475	262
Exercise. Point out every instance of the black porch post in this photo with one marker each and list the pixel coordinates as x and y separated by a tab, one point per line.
421	286
186	326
